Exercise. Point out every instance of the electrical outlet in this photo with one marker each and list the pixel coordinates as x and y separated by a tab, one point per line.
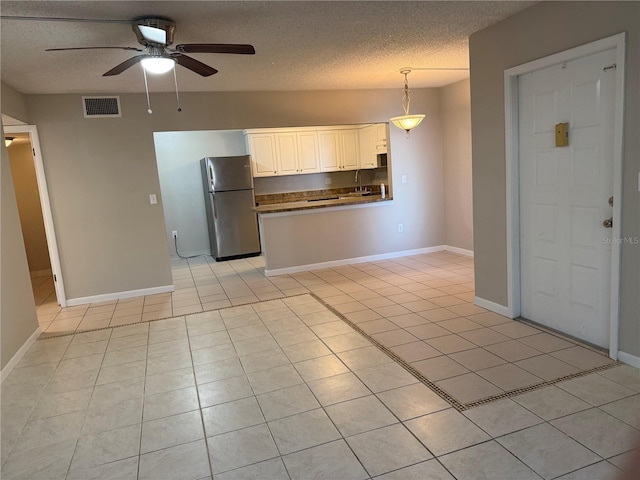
174	234
327	181
400	228
404	179
153	199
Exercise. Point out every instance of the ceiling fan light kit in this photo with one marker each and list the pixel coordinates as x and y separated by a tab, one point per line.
157	65
406	122
156	34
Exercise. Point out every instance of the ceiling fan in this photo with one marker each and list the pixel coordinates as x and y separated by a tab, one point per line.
155	34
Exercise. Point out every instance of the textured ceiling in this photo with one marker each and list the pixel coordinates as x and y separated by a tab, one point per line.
300	45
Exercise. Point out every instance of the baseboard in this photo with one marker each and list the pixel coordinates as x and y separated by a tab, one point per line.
8	368
347	261
461	251
494	307
629	359
41	273
72	302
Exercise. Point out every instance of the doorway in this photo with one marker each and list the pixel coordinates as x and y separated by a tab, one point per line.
562	261
36	220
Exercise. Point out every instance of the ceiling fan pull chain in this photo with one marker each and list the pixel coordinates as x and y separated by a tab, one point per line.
175	81
146	89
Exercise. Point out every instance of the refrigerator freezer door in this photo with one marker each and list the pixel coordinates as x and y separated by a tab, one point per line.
229	173
235	224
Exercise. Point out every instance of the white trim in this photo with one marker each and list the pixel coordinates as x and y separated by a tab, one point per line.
460	251
40	273
45	204
494	307
616	42
105	297
8	368
348	261
322	208
629	359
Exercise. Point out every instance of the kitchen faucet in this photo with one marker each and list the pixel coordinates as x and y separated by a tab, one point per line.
358	181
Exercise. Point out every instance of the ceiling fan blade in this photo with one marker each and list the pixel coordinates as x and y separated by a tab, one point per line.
63	19
118	69
194	65
216	48
93	48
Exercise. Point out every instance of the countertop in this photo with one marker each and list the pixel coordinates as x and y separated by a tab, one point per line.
315	204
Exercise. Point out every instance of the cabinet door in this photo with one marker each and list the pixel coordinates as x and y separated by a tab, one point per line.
287	153
367	139
308	154
381	137
350	150
330	151
263	154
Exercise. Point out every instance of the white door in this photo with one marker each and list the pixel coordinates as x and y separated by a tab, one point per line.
565	251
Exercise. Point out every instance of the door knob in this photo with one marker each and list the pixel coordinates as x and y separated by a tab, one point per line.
608	223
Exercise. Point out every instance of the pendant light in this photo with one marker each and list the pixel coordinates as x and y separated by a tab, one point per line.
8	141
406	122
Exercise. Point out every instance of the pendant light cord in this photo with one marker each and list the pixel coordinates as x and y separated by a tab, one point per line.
406	98
146	88
175	81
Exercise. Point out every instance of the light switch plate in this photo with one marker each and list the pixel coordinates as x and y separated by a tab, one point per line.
153	199
404	179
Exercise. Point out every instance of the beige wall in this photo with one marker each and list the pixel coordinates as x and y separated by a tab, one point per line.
13	103
456	142
23	173
100	173
18	319
544	29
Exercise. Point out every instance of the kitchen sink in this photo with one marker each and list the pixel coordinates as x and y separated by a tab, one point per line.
322	199
356	194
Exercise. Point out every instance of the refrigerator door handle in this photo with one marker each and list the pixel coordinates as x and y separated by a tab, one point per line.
213	204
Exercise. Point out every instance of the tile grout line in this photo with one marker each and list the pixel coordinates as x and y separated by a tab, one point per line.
459	406
195	383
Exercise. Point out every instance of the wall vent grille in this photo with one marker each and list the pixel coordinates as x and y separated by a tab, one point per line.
101	107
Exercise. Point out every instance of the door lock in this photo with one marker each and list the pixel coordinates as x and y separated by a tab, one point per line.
611	201
608	223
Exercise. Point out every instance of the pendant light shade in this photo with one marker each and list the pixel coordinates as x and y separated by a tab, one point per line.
406	122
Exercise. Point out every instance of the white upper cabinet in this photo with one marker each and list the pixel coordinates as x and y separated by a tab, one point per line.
339	150
350	149
263	154
308	152
368	158
329	150
294	151
286	153
381	137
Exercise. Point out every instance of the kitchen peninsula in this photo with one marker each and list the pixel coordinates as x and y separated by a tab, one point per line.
304	223
318	229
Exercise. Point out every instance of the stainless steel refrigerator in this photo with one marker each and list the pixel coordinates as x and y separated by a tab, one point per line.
229	200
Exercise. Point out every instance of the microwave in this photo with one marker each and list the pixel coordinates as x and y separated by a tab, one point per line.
381	160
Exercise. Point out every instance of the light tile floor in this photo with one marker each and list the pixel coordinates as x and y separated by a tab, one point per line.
284	389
